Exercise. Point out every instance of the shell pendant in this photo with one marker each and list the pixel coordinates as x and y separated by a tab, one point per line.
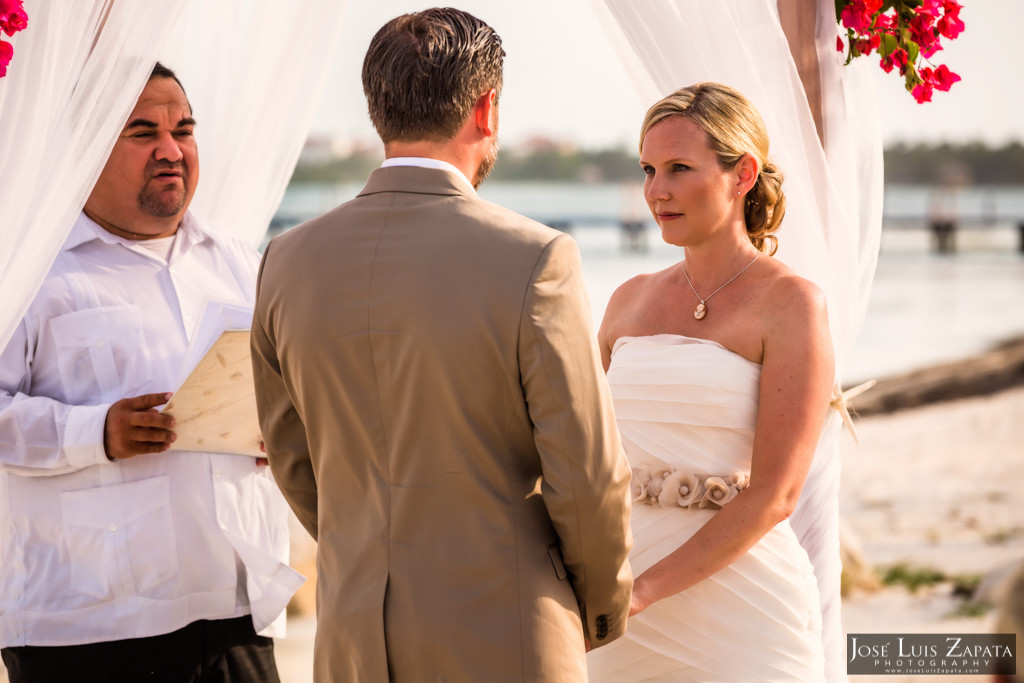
700	311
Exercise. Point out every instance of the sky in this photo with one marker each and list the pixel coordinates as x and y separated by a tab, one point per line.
564	82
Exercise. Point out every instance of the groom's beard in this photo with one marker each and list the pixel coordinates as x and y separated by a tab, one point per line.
486	165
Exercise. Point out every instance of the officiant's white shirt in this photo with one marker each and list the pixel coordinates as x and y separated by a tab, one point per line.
94	550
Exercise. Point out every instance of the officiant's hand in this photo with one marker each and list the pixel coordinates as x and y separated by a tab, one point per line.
134	426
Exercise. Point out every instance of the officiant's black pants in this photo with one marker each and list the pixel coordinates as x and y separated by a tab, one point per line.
225	651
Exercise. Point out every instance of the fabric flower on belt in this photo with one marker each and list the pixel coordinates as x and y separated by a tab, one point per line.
717	493
670	487
681	489
638	484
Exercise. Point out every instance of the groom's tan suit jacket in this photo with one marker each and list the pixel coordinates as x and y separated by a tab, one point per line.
435	412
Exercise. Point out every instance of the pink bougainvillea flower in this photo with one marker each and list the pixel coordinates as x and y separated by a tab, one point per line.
898	58
950	25
885	22
856	16
922	32
869	45
906	28
922	92
6	52
932	8
943	78
8	6
14	21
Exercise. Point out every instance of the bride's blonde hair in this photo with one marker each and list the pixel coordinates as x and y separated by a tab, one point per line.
734	128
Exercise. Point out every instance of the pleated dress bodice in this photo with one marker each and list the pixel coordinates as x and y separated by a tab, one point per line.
690	405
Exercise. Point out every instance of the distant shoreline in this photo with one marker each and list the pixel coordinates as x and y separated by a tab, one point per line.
989	372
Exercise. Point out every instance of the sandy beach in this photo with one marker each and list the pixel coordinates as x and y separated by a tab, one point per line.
936	487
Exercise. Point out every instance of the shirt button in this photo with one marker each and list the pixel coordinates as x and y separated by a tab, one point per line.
113	527
224	527
99	344
216	473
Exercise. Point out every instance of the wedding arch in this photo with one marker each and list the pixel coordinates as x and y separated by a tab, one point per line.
254	74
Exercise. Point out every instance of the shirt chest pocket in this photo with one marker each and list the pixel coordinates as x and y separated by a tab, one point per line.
101	353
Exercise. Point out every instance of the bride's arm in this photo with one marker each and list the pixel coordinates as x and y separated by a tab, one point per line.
796	383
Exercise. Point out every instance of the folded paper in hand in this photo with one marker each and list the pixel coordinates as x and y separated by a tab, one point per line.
215	407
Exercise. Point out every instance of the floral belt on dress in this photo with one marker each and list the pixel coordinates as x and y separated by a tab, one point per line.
670	487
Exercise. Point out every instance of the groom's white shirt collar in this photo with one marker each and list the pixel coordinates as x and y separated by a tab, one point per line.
426	162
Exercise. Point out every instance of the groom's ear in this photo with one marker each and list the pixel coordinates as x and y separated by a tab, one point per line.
485	113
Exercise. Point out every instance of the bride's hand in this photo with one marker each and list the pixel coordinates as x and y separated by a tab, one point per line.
637	602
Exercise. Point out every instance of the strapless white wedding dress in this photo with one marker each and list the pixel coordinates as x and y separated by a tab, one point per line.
690	405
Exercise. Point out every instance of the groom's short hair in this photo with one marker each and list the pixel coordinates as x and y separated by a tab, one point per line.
424	72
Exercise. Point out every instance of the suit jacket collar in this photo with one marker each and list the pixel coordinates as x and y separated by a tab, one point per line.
415	179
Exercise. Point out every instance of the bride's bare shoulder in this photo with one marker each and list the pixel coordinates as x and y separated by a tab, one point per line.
790	300
639	286
628	306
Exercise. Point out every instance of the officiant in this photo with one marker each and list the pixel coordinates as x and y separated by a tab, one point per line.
123	557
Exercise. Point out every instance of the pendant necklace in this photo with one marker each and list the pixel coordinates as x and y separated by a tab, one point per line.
702	308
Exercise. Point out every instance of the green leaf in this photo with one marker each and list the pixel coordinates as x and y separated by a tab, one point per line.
840	4
911	78
888	45
912	51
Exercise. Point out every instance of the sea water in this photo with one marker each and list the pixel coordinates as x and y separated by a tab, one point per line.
924	307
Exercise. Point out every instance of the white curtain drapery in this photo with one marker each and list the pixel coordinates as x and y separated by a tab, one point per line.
79	69
833	188
253	75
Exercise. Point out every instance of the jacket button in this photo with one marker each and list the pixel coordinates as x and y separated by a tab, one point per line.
602	627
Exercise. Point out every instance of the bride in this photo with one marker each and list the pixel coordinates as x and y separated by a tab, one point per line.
721	370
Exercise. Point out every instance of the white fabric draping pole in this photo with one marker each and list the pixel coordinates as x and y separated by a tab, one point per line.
253	72
834	192
77	71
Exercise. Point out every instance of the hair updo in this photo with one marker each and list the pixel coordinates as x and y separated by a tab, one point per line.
734	128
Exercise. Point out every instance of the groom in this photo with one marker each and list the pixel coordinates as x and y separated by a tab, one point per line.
432	400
